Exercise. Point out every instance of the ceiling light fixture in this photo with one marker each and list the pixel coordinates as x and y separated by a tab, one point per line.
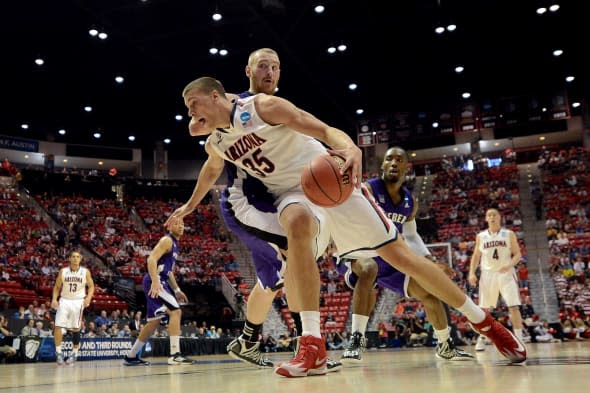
319	9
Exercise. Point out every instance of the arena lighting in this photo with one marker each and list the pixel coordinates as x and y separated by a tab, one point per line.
216	16
331	50
88	108
39	61
557	52
93	32
62	132
459	69
178	117
360	111
569	78
319	9
213	51
352	86
167	141
119	79
223	52
575	104
466	95
541	10
131	138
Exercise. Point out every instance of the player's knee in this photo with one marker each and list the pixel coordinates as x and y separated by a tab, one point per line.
297	221
366	270
76	338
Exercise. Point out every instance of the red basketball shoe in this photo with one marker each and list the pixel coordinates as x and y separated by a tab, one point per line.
310	359
506	342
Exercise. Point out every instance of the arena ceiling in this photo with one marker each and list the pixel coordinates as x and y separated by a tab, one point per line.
392	54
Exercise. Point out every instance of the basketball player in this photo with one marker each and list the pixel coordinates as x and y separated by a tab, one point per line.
273	140
360	275
245	205
70	288
498	250
163	295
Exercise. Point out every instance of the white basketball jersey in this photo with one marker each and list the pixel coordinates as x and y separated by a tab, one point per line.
496	250
73	283
274	154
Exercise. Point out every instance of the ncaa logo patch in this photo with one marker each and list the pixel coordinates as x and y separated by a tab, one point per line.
245	116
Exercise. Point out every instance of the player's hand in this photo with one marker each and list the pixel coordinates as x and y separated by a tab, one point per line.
181	297
472	280
179	213
446	269
54	304
155	289
353	157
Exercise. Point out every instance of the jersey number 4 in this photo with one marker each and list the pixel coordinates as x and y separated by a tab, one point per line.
259	164
495	254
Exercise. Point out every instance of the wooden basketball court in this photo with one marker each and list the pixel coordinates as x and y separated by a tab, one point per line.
556	367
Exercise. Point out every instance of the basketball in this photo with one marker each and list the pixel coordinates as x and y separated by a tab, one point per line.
322	182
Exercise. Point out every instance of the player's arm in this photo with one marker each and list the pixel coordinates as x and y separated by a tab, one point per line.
276	110
57	289
410	231
474	263
210	172
90	285
181	296
164	246
515	249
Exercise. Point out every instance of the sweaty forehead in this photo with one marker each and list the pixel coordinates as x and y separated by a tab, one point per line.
267	58
395	153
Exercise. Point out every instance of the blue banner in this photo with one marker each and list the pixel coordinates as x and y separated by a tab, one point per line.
7	142
90	348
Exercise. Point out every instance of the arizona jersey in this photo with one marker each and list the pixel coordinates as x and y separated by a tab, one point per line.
397	213
166	262
73	283
270	153
495	248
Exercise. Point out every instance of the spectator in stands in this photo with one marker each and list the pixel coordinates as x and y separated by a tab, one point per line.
383	334
285	343
29	329
136	323
43	331
523	275
541	331
125	332
102	319
5	334
5	300
269	343
335	341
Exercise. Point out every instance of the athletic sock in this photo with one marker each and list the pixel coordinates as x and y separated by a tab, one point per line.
472	311
310	321
137	345
251	331
174	344
359	323
442	335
